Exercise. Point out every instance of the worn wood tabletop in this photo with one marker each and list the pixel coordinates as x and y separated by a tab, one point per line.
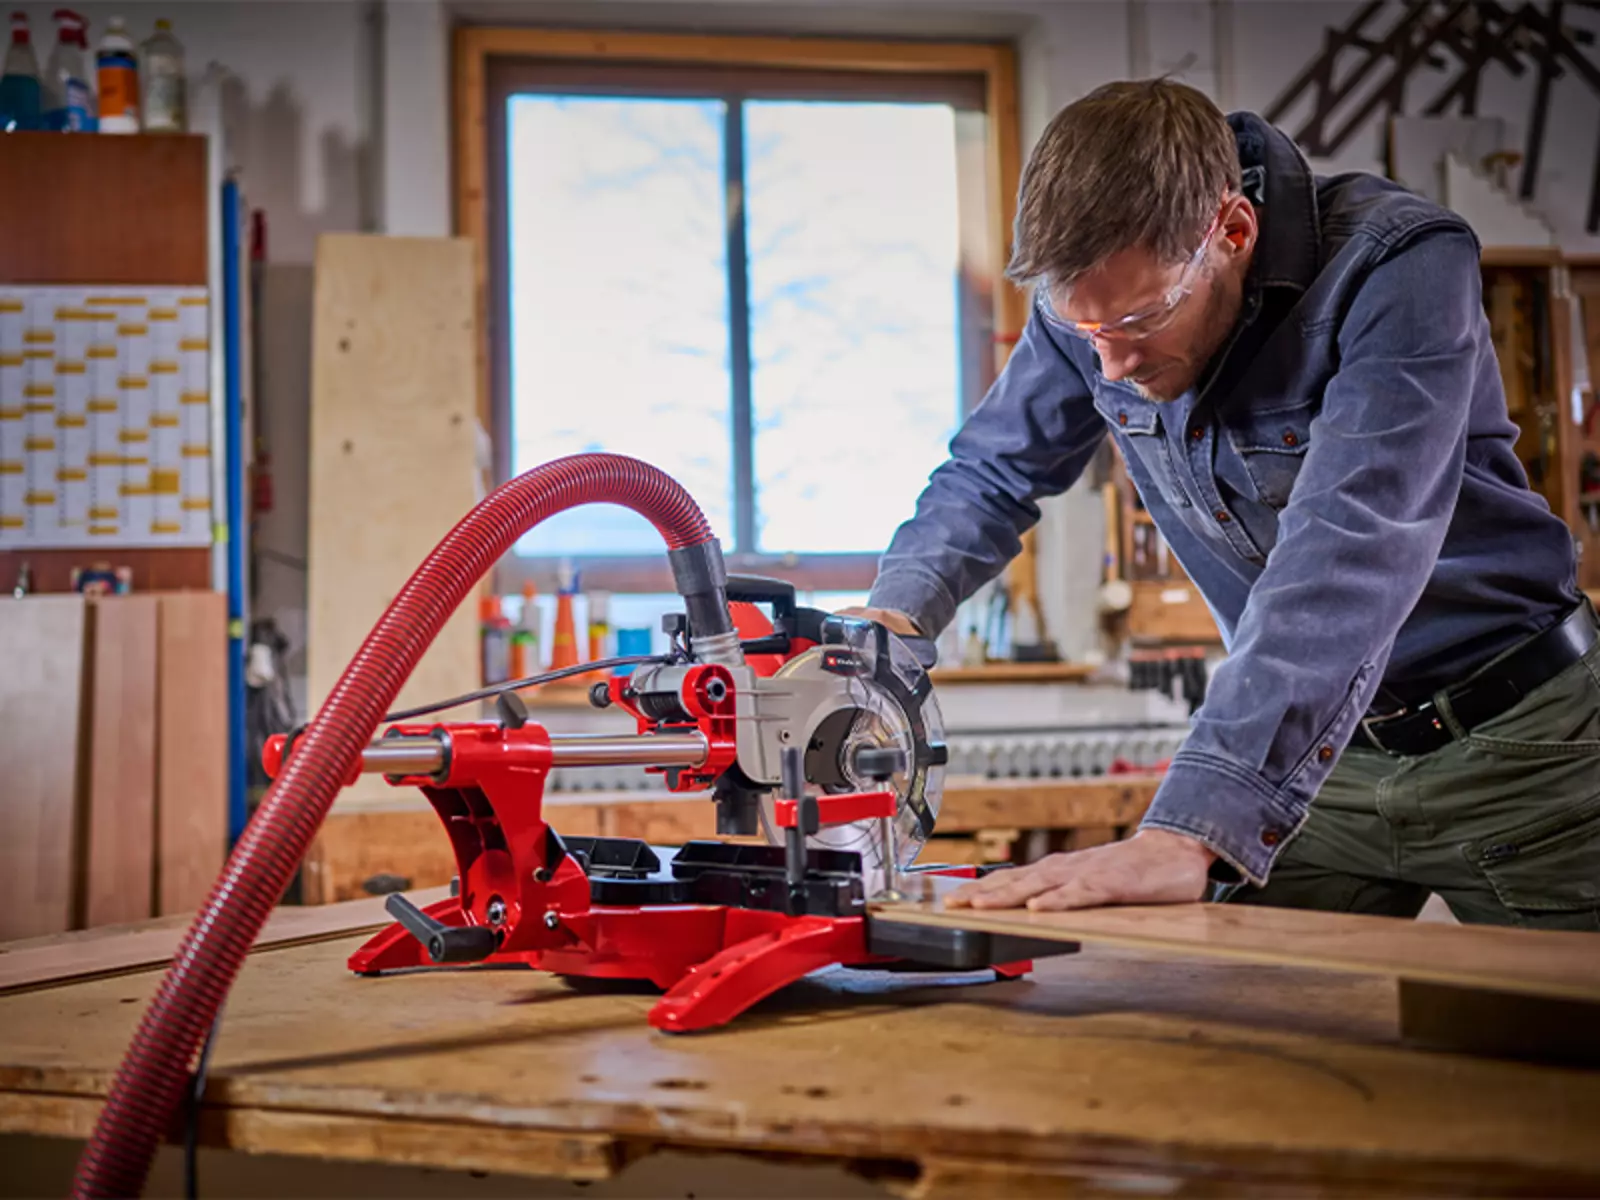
1105	1068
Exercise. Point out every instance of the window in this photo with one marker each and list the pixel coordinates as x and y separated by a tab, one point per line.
776	284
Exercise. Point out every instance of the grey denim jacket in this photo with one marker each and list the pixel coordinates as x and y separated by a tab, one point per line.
1340	487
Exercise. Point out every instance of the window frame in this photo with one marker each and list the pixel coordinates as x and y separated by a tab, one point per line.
492	63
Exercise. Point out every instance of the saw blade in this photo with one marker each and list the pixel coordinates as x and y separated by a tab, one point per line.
888	703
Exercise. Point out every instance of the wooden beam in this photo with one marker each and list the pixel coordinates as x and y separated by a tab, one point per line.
120	821
192	759
41	685
110	950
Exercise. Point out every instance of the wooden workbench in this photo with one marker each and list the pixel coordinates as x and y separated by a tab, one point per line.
1104	1071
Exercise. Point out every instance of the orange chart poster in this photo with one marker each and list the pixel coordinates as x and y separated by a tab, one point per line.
105	417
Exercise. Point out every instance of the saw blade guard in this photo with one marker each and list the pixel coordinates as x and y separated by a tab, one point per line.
883	699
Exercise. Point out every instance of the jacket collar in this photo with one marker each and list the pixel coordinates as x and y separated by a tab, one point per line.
1279	182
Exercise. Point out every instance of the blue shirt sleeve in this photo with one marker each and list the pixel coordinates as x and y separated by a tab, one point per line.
1357	542
1031	437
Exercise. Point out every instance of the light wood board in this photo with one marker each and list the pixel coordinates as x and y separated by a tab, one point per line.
394	449
118	950
120	820
41	684
1172	1075
1522	961
192	775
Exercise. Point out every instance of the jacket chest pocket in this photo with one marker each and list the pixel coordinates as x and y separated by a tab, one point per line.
1144	446
1271	447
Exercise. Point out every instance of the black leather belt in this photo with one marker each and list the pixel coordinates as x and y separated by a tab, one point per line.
1420	729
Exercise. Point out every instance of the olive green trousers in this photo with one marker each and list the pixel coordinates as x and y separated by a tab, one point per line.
1503	823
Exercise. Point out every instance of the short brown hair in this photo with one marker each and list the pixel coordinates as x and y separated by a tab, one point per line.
1133	164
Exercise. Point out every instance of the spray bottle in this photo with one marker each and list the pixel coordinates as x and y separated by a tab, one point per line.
19	85
68	91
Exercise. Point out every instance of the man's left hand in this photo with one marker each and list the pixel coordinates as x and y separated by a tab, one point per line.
1152	867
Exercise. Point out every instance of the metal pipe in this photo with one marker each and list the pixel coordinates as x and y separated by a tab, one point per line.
628	750
425	755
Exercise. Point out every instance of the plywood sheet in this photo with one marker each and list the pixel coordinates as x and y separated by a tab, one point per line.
118	950
1524	961
192	772
394	447
120	822
1180	1076
41	683
151	231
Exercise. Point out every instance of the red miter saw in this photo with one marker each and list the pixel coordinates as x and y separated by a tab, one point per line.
820	732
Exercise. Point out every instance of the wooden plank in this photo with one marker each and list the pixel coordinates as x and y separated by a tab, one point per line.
42	649
1102	1065
393	404
1501	1024
120	817
154	232
192	758
1532	962
92	954
972	804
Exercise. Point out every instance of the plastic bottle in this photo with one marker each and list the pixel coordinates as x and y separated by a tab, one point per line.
599	626
525	637
68	92
161	80
19	83
496	633
564	643
118	73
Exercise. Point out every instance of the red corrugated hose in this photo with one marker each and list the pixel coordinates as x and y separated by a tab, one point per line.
150	1083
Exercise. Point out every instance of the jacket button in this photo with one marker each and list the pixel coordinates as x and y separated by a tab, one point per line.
1324	754
1222	516
1290	439
1270	837
1196	433
1122	418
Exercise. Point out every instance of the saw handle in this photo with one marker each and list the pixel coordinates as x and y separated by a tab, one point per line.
444	943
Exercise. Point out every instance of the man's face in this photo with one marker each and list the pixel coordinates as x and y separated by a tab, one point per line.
1165	363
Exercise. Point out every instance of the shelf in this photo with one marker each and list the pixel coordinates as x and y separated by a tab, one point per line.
1522	256
1007	672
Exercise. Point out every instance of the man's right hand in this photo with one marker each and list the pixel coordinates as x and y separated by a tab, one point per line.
890	619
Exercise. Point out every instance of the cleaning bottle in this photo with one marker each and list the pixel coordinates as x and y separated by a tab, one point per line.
496	634
564	644
68	95
162	83
118	73
19	84
525	637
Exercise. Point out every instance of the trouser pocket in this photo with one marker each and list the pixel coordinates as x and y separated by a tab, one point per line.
1546	866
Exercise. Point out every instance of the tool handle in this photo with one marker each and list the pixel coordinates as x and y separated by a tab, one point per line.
444	943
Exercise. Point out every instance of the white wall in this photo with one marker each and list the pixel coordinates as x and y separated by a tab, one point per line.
341	111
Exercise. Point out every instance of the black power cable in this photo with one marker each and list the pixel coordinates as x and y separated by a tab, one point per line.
191	1122
600	664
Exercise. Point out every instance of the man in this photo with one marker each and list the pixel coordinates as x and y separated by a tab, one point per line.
1299	375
